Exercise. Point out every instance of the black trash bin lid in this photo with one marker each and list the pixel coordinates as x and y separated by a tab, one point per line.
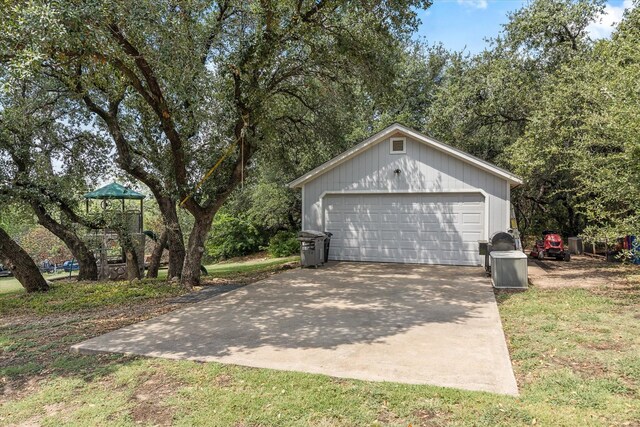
310	234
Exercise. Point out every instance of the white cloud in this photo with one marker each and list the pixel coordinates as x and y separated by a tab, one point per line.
612	15
478	4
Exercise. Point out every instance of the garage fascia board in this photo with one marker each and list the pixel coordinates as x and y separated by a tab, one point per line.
380	136
365	192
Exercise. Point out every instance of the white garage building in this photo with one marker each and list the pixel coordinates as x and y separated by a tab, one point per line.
401	196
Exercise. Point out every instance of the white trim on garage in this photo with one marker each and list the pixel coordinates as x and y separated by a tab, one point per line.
355	192
421	192
454	152
508	205
302	219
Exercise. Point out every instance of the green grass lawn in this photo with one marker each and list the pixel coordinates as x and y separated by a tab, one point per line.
11	284
222	270
576	355
228	269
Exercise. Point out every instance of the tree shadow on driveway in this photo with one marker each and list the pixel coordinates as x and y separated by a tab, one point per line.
321	308
386	314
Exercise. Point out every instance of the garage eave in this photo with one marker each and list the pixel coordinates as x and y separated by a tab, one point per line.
397	127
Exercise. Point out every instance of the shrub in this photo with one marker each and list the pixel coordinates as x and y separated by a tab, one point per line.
231	236
284	243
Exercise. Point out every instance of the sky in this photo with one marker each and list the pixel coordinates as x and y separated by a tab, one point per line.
465	24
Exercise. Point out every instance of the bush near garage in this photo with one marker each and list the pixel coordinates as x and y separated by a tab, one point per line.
283	243
232	237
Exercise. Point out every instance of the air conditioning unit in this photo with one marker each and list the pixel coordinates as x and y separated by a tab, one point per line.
509	269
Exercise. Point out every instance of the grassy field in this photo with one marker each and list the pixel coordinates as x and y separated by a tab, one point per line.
576	354
228	269
11	284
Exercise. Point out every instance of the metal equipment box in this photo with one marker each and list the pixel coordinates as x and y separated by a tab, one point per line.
509	269
575	245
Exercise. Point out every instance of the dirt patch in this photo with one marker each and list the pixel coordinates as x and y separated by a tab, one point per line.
426	418
223	380
62	411
580	272
148	398
31	422
386	416
247	278
587	369
606	346
258	256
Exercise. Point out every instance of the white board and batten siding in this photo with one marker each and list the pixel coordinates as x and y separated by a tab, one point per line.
434	211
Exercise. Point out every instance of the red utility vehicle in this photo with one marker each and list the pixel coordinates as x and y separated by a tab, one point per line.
551	246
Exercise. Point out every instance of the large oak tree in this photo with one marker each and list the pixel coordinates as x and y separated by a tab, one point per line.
47	161
176	83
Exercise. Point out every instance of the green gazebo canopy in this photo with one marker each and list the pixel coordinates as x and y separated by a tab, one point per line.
114	191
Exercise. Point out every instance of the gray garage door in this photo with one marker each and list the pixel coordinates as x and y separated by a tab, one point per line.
406	228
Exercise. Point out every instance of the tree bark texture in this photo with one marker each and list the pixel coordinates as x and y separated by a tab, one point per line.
21	264
175	240
82	254
133	264
195	249
156	256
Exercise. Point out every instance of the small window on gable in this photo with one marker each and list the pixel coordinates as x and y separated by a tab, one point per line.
398	145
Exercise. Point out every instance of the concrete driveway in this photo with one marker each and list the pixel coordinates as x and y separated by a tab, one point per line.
384	322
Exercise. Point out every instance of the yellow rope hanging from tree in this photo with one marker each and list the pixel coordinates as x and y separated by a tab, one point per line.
224	156
208	174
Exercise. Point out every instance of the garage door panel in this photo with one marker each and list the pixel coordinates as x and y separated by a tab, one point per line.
449	218
414	228
387	235
414	218
425	229
343	253
388	226
364	218
470	228
408	236
407	246
363	234
350	243
389	217
474	218
472	236
369	252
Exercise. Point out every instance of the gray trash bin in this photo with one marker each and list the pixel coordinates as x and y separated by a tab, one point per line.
311	248
327	242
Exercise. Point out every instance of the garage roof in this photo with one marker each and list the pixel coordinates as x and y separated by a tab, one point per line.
397	127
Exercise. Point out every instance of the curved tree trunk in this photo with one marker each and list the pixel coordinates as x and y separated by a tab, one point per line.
203	216
195	250
21	264
82	254
174	236
126	162
156	256
130	246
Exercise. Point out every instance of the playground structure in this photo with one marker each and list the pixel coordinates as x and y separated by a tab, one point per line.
120	218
